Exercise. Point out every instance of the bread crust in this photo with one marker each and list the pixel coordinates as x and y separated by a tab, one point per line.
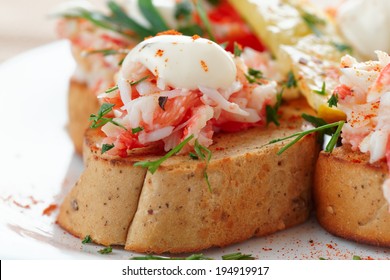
82	102
254	193
349	198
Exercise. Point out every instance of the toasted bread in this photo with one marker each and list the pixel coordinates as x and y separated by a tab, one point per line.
81	103
349	198
254	192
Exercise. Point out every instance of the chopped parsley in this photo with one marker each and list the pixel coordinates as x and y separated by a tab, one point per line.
87	239
99	119
205	154
333	100
356	258
193	156
136	130
253	76
322	91
106	250
107	147
237	49
342	47
313	22
272	111
291	81
152	166
237	256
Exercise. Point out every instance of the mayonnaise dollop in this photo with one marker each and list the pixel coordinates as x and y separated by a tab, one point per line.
365	24
182	62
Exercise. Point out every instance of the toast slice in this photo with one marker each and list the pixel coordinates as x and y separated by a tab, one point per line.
254	192
349	198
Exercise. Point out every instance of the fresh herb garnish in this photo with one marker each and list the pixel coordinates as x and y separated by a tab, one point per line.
291	81
152	166
299	135
193	156
203	16
99	119
204	154
87	239
136	130
322	91
162	100
342	47
106	52
237	49
272	111
106	250
322	259
237	256
107	147
312	21
253	76
314	120
356	258
333	100
150	12
214	2
233	256
183	10
114	88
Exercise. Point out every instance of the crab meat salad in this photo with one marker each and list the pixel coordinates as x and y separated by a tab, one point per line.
364	95
180	90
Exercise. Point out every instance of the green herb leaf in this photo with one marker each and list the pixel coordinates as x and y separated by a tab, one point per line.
203	16
106	52
224	45
99	119
322	259
193	156
272	111
107	147
152	166
299	135
214	2
114	88
106	250
322	91
136	130
291	81
333	100
204	154
253	76
314	120
152	15
87	239
183	10
312	21
237	49
356	258
342	47
237	256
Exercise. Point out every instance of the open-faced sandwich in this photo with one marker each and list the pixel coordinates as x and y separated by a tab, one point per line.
352	188
162	173
100	42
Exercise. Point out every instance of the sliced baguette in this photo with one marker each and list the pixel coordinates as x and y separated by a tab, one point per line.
254	193
349	198
82	102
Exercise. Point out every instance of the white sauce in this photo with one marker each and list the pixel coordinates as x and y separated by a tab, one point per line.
182	62
365	24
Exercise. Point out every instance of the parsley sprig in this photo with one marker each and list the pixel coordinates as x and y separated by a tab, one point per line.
87	239
107	147
204	154
100	119
254	76
333	100
152	166
299	135
233	256
106	250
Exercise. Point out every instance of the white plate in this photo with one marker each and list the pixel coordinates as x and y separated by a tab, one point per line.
38	166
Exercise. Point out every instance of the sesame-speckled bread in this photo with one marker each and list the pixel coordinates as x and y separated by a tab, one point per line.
349	198
82	102
255	192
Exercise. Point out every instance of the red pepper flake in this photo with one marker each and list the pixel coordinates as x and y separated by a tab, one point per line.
204	66
329	246
195	37
160	53
21	206
48	210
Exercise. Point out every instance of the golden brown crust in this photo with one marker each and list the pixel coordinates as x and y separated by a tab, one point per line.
349	198
254	193
81	103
